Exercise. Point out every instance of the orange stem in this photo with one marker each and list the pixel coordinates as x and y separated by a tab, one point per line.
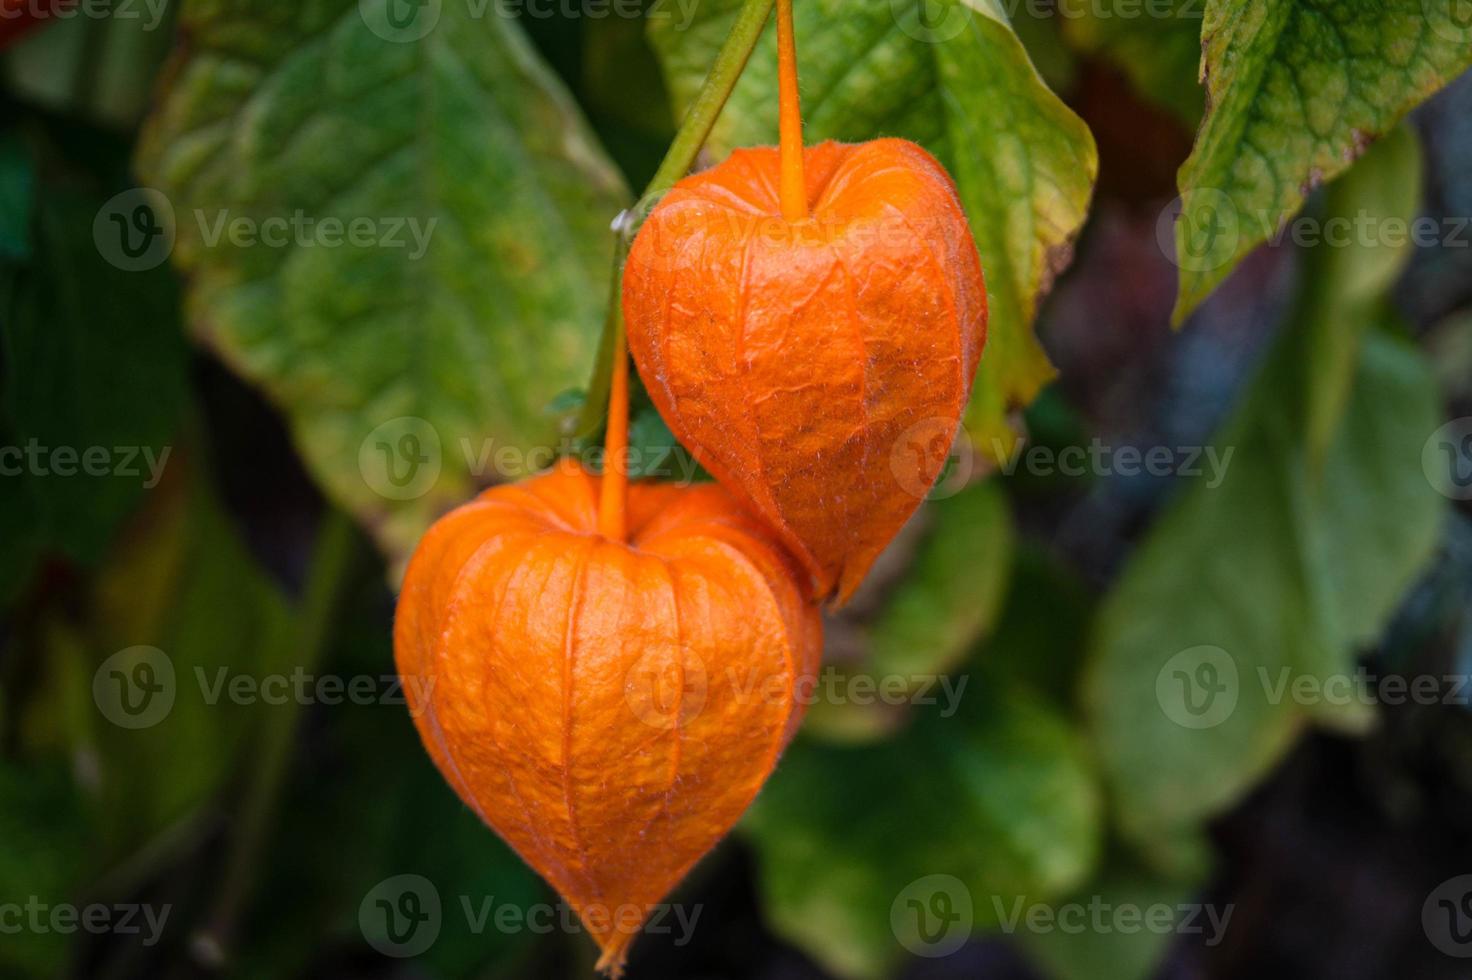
614	491
794	188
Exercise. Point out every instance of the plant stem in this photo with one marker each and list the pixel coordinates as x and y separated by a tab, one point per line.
789	107
694	130
614	491
701	117
309	635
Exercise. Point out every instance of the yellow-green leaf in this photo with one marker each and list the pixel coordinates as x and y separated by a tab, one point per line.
416	358
1296	90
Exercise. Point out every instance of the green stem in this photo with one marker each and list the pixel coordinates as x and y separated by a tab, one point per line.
309	636
703	112
694	130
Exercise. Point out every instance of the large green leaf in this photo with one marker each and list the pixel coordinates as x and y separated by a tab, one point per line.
1297	89
1157	45
420	356
1000	797
1278	573
95	384
951	75
1320	522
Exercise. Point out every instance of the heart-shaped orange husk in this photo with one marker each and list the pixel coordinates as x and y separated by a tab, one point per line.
818	367
609	708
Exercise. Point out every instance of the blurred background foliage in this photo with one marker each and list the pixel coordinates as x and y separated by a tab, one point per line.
1051	602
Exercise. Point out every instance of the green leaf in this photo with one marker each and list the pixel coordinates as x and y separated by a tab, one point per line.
429	348
1124	949
953	590
952	76
949	596
1043	628
999	796
17	187
178	612
1156	44
46	830
1344	285
1449	345
95	383
1274	575
1297	90
1038	27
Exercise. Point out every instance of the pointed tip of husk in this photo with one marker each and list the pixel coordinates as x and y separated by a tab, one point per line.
611	963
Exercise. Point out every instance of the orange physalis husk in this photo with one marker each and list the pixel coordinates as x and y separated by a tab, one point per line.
608	704
817	366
